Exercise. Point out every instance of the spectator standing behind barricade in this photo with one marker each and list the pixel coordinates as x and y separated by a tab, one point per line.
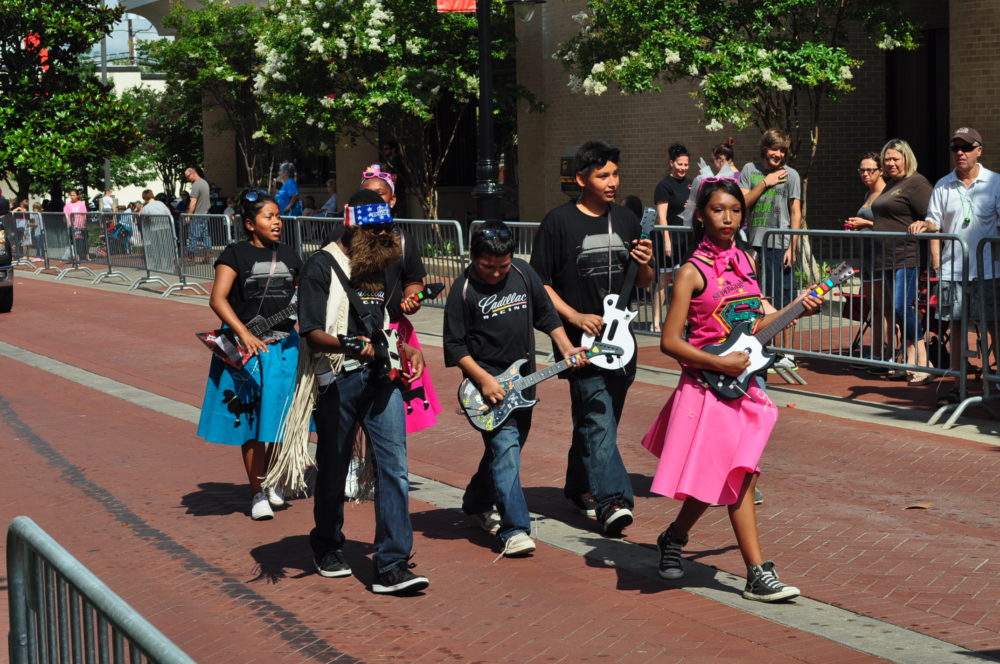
582	251
401	302
152	207
966	202
723	166
76	221
330	207
21	235
309	207
670	197
197	224
108	203
230	210
870	172
488	323
287	195
773	192
903	201
35	226
183	203
4	205
254	277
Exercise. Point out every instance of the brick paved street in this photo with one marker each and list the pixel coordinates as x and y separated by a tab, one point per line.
160	516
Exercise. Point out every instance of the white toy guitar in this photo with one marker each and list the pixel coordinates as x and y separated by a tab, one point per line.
617	316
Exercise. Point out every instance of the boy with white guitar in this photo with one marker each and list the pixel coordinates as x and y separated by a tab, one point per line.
581	252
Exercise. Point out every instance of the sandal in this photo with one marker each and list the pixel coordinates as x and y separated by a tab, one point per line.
919	378
896	374
949	398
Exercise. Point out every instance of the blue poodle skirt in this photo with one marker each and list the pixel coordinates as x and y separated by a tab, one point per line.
250	404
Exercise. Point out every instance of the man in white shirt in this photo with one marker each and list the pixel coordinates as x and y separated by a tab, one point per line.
966	202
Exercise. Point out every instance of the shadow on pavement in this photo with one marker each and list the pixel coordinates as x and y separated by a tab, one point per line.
292	558
218	499
451	524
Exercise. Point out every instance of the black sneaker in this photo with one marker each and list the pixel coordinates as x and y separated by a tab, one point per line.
670	547
399	581
332	565
763	584
586	503
616	518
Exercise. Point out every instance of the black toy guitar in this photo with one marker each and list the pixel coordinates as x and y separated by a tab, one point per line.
742	338
617	316
224	342
487	417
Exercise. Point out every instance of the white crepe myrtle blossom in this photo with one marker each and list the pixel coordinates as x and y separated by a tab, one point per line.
714	125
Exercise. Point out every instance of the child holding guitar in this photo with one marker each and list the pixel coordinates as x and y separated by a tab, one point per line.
490	318
710	447
254	278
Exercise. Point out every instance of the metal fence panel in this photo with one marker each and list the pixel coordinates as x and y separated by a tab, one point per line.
53	601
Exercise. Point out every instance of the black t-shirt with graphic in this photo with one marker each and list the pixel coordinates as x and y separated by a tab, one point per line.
314	290
580	259
492	325
252	294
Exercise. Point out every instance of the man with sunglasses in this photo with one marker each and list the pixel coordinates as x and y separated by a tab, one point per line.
581	251
966	202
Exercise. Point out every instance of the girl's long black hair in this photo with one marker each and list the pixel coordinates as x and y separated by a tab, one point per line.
705	193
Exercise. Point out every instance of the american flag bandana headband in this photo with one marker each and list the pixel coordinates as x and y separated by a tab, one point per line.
373	213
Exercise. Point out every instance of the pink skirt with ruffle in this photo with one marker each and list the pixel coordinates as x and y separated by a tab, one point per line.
423	412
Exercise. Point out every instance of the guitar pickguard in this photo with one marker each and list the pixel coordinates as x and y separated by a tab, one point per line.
616	332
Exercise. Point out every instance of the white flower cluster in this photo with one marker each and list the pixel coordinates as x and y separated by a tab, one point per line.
779	82
888	43
671	57
714	125
592	87
581	18
845	73
274	63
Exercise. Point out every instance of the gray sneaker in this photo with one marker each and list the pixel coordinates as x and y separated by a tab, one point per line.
488	521
763	584
670	546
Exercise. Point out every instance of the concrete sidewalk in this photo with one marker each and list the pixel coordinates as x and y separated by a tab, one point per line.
103	389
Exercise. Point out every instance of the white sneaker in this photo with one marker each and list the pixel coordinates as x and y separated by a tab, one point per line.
519	545
260	509
488	521
275	496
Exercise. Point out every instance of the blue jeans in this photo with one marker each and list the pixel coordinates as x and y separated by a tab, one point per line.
904	296
359	398
497	481
778	281
198	234
597	399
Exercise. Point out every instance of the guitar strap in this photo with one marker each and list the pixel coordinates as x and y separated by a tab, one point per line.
357	307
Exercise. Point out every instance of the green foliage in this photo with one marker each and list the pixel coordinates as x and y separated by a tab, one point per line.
57	117
368	67
214	54
764	62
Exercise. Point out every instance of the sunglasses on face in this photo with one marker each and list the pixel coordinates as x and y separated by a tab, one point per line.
501	233
862	171
254	196
964	148
378	229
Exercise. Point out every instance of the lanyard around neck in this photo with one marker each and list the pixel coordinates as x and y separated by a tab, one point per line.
968	202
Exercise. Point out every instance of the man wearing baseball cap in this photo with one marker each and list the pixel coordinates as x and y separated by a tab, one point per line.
966	203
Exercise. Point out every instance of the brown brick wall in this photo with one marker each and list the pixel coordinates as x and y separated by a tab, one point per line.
974	78
643	126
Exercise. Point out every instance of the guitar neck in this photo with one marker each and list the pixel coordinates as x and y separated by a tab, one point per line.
632	271
525	382
266	324
785	317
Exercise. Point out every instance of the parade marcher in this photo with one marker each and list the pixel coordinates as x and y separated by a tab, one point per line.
581	252
773	192
489	321
342	309
254	277
966	202
710	448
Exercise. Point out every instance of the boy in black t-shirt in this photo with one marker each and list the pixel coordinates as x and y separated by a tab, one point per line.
490	318
581	251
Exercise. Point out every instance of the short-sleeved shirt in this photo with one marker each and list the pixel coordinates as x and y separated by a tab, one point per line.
900	204
583	258
950	205
284	195
200	190
257	290
410	270
675	194
493	324
772	208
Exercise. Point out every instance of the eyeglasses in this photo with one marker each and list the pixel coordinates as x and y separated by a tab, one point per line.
254	196
378	229
501	233
964	148
862	171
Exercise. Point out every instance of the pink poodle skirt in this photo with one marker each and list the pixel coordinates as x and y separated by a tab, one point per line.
707	445
424	407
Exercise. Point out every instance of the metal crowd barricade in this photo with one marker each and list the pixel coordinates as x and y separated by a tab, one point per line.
983	318
305	234
84	237
860	324
58	241
61	612
155	250
200	240
20	236
442	250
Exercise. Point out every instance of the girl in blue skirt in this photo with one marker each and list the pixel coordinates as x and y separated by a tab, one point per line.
255	280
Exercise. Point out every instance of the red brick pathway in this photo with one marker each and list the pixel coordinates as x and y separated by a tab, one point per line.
159	515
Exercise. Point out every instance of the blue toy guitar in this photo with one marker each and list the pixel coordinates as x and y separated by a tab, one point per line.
617	316
487	417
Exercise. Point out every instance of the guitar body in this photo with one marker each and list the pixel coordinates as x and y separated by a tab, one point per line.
484	416
616	332
740	339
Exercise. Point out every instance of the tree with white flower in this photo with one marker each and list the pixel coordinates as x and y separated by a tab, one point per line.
394	70
769	63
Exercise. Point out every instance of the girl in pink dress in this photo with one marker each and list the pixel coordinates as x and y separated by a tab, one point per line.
710	447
